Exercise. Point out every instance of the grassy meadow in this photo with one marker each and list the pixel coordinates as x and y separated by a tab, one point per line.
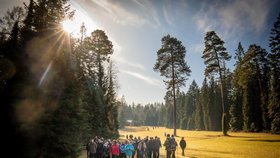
214	144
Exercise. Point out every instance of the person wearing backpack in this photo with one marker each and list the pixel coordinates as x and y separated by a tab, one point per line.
142	149
183	145
135	145
173	146
167	145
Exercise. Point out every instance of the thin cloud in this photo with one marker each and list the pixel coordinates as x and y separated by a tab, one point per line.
120	14
233	18
167	16
196	48
149	80
148	11
125	62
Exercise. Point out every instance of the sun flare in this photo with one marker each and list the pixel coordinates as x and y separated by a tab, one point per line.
68	26
73	26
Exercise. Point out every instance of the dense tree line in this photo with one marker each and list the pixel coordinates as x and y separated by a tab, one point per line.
141	115
250	92
56	91
246	99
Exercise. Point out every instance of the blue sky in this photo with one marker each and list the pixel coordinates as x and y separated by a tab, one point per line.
136	27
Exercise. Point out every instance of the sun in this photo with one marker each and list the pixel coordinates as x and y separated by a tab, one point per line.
73	25
69	26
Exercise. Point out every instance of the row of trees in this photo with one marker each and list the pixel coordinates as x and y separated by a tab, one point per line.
56	91
147	115
245	99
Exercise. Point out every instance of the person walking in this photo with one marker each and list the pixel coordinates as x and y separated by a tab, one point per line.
183	145
142	149
157	146
167	145
173	145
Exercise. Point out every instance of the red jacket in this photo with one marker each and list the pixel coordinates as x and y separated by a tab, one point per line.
115	150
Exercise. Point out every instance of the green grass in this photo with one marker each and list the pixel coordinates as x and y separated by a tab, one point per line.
214	144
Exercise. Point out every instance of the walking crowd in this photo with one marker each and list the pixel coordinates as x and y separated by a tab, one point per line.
149	147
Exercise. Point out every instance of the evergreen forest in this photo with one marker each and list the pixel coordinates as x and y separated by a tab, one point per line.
57	91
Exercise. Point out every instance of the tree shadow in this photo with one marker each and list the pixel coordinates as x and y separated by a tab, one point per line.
263	140
240	136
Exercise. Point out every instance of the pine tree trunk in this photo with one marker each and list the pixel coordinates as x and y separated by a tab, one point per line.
174	98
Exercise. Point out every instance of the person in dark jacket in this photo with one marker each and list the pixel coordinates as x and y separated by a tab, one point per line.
99	149
157	146
168	146
183	145
173	145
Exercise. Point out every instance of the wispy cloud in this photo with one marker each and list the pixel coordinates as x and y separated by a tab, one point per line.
119	13
233	18
148	11
196	48
147	79
167	16
125	62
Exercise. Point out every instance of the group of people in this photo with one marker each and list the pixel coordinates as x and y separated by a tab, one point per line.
130	148
149	147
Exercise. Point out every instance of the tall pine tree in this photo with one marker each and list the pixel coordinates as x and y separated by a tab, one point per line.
171	64
214	56
274	64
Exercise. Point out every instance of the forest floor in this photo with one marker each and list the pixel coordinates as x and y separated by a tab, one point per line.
213	144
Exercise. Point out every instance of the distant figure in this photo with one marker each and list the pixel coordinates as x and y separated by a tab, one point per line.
165	134
183	145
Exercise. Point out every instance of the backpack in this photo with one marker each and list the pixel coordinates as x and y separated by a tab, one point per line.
173	144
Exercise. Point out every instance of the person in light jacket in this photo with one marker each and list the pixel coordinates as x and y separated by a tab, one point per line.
92	149
128	149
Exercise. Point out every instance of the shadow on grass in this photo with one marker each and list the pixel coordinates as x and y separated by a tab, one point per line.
134	129
239	136
264	140
211	151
